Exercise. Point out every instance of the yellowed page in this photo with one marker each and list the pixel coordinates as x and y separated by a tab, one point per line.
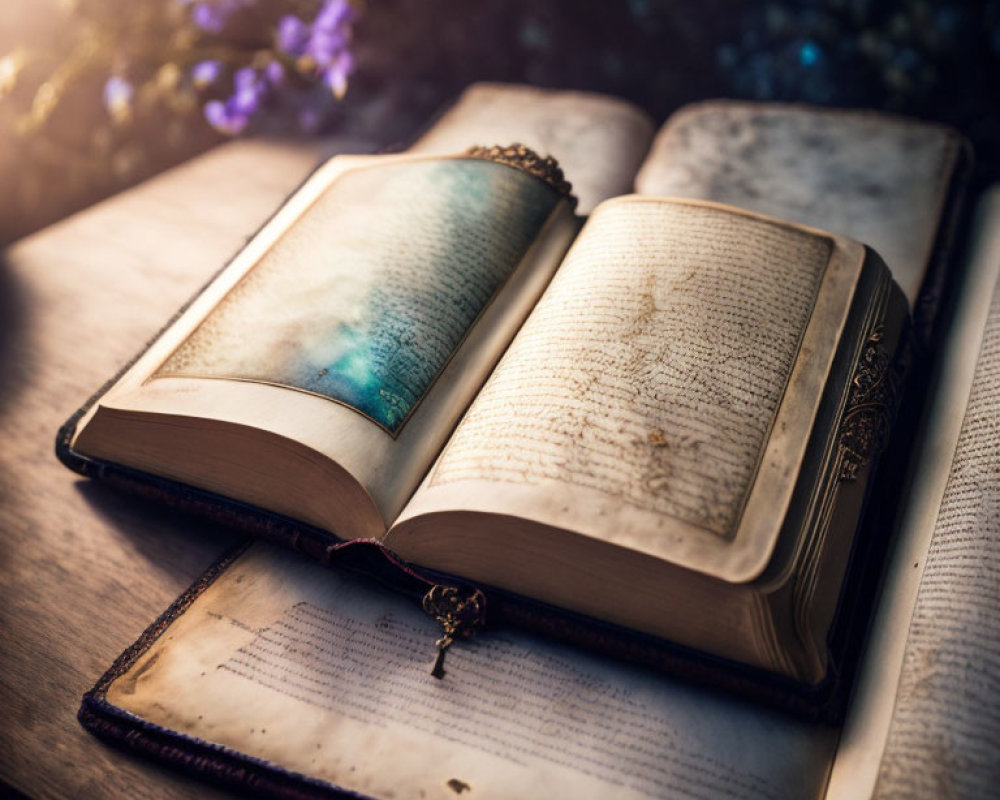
921	715
598	140
290	662
654	398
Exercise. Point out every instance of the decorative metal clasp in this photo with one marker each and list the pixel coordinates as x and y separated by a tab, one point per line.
459	617
527	160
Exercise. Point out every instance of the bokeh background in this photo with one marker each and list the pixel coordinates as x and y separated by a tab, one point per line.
96	95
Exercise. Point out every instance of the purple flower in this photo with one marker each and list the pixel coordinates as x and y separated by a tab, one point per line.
335	75
333	15
212	17
118	98
245	78
321	47
293	35
250	90
274	74
324	46
205	72
224	118
208	18
319	50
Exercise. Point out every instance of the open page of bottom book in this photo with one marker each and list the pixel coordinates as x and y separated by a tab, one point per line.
325	675
296	680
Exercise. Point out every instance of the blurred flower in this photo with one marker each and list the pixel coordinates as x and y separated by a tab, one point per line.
224	118
178	52
321	49
274	72
233	115
204	73
335	75
293	34
118	99
212	16
318	51
334	15
251	88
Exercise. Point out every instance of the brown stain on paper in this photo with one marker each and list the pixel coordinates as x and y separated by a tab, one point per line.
128	683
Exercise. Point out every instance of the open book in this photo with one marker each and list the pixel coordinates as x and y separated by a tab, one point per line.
666	420
282	675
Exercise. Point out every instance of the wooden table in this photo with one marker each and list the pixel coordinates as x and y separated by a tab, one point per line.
83	570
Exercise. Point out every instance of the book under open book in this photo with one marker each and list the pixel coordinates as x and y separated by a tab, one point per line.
665	419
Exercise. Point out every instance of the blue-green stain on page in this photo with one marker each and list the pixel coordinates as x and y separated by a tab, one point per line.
367	296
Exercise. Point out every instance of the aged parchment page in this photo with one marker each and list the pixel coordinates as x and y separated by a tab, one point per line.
599	141
944	739
926	674
635	403
652	371
288	661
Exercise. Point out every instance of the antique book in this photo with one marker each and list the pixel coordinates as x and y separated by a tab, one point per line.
298	681
923	720
667	432
670	424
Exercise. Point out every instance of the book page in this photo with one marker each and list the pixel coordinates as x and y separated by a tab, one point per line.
358	324
325	675
945	734
922	674
368	295
636	402
599	141
651	373
873	177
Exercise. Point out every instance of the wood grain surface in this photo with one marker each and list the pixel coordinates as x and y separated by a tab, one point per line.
83	570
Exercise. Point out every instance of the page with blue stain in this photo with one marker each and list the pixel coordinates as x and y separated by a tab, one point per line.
367	296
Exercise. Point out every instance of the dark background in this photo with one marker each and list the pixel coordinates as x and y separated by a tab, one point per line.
927	58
